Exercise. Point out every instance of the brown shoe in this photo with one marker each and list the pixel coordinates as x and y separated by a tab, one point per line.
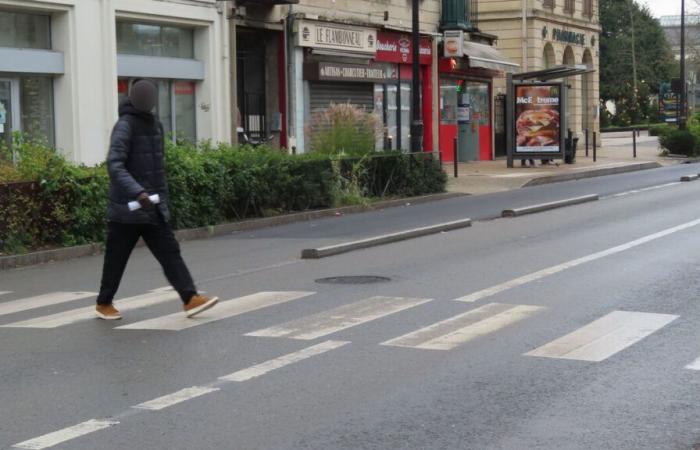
198	304
107	312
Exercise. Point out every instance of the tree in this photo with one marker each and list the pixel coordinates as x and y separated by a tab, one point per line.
653	55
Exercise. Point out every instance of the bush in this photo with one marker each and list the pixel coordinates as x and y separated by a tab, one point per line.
679	142
45	201
660	129
343	129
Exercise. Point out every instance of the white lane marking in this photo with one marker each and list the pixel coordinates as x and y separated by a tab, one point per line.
604	337
695	365
488	292
453	332
88	312
341	318
5	292
637	191
66	434
41	301
180	396
224	310
277	363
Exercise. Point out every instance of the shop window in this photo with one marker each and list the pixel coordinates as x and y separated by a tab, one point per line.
20	30
176	107
154	40
448	101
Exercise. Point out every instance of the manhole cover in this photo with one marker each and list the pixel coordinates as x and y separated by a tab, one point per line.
356	279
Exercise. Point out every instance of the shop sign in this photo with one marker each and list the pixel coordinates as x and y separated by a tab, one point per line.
327	71
454	43
538	118
668	104
569	37
398	48
337	37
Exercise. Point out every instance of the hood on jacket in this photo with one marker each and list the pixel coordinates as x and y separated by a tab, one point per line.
126	108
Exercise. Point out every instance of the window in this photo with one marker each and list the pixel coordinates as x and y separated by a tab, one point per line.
548	4
19	30
155	40
176	107
588	8
36	100
569	6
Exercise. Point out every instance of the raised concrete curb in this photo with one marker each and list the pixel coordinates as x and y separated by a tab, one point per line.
686	178
63	254
592	173
323	252
515	212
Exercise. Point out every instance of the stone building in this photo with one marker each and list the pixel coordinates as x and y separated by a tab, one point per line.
539	34
64	64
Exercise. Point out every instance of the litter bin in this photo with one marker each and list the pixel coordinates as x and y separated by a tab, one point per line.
570	150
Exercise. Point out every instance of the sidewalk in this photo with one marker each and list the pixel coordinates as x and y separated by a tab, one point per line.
615	154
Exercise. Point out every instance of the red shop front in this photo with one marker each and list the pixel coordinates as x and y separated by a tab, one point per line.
394	99
460	84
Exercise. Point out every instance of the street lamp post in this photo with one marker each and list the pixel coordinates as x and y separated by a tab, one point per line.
416	117
684	100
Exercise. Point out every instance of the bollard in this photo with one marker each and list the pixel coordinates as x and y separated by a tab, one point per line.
634	143
390	142
455	158
595	148
586	142
294	150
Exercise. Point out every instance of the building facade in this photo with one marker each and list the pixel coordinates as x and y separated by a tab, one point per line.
672	29
64	64
540	34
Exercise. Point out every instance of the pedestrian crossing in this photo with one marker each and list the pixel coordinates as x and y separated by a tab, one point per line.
593	342
451	333
341	318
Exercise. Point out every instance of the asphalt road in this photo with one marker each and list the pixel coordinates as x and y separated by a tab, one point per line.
576	329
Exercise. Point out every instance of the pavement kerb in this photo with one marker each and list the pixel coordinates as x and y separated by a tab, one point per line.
516	212
67	253
693	177
346	247
591	173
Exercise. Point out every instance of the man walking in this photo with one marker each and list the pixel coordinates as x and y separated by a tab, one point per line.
136	168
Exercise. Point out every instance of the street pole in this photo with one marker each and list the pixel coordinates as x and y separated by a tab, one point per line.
634	59
684	113
416	117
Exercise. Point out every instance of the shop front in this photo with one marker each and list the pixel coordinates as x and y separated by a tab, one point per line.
467	72
367	68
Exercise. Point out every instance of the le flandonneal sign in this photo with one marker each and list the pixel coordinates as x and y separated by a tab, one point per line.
338	37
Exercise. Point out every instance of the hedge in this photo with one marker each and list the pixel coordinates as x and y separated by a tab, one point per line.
64	205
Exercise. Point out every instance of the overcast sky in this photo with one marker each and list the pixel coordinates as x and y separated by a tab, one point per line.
669	7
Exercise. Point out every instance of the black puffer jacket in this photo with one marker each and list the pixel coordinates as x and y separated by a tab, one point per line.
136	164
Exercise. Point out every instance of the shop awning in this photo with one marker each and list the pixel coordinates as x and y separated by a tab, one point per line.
487	57
554	73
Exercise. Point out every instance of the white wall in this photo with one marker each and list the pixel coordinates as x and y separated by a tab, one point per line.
86	95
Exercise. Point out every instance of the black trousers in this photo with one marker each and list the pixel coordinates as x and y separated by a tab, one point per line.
121	240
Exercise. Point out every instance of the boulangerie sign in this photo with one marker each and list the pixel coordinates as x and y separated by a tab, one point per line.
398	48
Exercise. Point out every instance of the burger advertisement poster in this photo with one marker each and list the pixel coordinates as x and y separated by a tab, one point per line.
538	118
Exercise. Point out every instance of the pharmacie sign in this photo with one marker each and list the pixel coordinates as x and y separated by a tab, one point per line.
337	37
569	37
538	127
326	71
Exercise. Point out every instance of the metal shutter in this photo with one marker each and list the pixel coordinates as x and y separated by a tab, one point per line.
360	94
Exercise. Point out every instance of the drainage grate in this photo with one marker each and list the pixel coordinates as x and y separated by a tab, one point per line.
355	279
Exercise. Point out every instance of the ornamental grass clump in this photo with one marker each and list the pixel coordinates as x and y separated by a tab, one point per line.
343	129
